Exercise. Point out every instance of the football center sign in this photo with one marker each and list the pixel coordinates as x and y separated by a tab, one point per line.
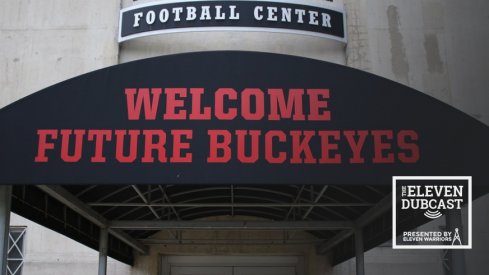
234	118
312	17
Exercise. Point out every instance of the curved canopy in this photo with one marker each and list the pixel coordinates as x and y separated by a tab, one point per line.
255	130
235	118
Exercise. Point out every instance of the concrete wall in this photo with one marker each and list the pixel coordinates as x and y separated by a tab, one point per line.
47	252
383	260
435	46
45	42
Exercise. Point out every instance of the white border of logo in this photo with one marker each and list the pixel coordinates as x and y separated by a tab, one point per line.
394	208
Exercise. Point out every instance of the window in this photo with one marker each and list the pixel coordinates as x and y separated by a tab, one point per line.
15	257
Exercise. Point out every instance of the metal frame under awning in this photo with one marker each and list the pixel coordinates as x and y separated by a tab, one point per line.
119	221
133	213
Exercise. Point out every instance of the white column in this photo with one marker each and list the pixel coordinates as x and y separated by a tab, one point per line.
456	257
103	249
360	263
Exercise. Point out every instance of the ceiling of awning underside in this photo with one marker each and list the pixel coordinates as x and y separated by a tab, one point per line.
191	202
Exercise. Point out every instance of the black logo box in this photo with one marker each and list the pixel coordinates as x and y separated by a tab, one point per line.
247	19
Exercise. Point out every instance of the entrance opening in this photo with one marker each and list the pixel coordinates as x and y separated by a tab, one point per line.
232	265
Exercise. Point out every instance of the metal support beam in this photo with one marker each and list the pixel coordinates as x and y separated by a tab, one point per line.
316	200
147	203
103	250
227	205
373	213
230	225
380	208
165	197
224	241
456	257
232	200
359	254
124	237
296	200
5	202
68	199
337	239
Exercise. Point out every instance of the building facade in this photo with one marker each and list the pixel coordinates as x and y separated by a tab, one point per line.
437	47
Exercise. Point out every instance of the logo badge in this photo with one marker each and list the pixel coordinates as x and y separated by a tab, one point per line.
439	201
